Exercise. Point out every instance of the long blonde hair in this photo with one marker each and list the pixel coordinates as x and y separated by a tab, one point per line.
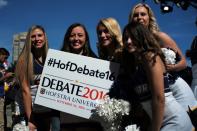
153	26
115	31
24	67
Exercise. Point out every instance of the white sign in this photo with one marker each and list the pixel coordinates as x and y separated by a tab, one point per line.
74	83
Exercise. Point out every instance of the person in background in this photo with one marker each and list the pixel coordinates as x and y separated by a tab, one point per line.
142	14
4	75
109	39
192	54
144	64
76	40
28	72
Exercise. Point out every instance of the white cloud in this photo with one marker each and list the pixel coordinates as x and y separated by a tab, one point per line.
3	3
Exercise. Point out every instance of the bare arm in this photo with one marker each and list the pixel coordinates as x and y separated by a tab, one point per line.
156	82
167	41
26	97
27	100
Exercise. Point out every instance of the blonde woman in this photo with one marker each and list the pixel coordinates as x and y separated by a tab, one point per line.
109	39
142	14
28	70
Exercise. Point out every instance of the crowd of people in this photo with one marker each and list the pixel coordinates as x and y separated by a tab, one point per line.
149	78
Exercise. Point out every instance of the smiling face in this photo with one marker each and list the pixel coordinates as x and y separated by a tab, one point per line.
77	39
38	38
141	15
104	37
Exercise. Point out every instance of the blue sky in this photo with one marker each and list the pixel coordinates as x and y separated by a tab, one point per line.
56	15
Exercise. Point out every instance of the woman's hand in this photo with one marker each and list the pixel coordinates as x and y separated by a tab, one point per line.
31	126
170	67
8	75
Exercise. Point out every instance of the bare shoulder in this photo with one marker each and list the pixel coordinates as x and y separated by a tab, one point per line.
167	40
153	60
162	35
